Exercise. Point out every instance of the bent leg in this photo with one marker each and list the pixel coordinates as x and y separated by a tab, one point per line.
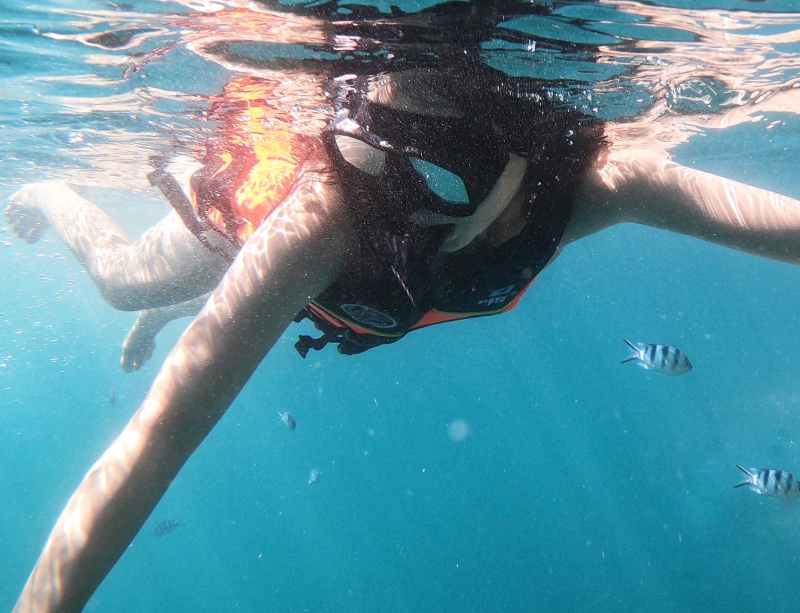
649	189
296	253
166	265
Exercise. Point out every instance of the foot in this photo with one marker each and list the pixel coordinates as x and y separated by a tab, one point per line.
138	346
24	212
141	340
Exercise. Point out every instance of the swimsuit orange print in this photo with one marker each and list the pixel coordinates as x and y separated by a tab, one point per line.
252	166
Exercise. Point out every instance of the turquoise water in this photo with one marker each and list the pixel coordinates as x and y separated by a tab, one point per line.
582	484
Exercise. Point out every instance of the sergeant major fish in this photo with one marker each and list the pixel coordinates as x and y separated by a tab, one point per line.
772	482
167	526
287	418
665	359
313	477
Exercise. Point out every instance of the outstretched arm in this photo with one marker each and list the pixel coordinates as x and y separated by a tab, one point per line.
645	187
295	254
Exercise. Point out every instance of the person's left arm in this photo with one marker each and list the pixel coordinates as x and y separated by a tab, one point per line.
646	187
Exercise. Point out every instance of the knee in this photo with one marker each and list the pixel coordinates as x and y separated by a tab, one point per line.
124	298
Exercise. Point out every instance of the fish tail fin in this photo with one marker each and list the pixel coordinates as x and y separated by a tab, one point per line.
634	349
749	477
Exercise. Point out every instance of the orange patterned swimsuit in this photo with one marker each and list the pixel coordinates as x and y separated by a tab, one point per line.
252	165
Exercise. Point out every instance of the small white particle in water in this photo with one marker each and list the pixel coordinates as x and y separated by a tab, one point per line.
458	430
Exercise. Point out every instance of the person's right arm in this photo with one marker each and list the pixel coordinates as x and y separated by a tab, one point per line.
292	257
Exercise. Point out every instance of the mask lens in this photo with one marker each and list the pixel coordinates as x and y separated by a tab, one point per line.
445	184
365	157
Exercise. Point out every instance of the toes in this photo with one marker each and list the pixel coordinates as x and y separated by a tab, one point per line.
145	355
135	355
22	214
20	225
12	214
35	233
27	224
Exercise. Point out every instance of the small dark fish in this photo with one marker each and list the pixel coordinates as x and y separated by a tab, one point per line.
112	398
287	418
665	359
772	482
167	526
313	477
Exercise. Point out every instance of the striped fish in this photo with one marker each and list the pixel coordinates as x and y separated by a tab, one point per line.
313	477
772	482
167	526
665	359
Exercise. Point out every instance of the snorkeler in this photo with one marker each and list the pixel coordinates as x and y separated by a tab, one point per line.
375	206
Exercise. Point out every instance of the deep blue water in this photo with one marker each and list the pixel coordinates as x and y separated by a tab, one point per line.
582	485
